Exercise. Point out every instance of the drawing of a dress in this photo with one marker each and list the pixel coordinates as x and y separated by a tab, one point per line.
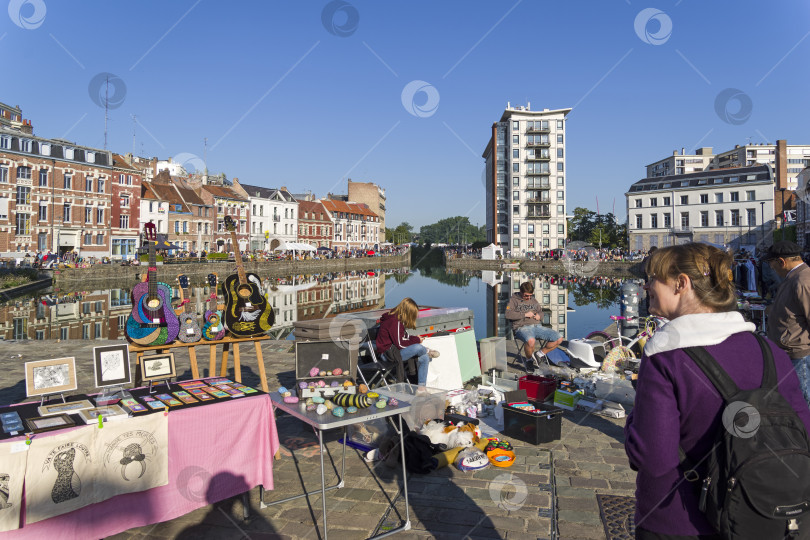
68	485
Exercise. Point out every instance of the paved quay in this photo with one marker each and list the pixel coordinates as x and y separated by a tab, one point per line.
514	503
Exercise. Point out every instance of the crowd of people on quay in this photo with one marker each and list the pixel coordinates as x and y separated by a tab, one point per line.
588	253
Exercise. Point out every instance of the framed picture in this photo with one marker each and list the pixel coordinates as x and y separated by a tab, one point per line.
158	367
39	424
109	412
66	408
111	364
50	376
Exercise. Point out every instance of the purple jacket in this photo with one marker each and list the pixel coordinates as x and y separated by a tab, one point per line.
676	404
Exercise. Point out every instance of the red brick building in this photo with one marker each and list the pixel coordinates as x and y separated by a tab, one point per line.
126	203
314	224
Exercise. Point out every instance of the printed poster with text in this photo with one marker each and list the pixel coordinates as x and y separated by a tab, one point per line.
13	457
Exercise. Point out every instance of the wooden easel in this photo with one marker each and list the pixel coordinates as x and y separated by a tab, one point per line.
226	343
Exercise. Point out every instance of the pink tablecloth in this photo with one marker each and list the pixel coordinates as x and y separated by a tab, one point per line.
215	452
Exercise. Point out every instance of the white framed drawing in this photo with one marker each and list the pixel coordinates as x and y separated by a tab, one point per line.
50	376
111	365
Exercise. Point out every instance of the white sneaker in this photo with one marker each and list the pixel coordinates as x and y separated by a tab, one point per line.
433	353
538	356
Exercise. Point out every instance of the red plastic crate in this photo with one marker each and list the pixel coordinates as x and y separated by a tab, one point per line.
538	388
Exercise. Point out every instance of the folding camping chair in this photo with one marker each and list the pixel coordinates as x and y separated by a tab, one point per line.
380	371
520	344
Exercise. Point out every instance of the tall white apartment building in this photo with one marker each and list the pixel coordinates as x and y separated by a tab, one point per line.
733	206
273	216
525	180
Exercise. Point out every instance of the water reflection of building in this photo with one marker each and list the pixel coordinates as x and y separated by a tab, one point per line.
548	290
103	314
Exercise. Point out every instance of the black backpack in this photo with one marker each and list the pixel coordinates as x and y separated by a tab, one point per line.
756	480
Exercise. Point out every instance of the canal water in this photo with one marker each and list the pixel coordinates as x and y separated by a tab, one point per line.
572	305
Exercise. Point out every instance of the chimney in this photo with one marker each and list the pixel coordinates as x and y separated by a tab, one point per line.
781	164
674	152
508	105
683	151
528	105
26	127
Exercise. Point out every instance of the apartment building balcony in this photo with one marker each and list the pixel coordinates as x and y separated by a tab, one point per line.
538	173
538	144
539	216
537	130
538	200
683	229
539	158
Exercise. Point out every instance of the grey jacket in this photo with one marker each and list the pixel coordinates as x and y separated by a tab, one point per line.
789	319
517	308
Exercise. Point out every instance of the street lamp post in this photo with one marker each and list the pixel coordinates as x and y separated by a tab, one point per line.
782	192
762	217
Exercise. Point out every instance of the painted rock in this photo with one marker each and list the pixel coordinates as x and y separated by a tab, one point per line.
381	404
393	402
290	399
302	385
351	410
281	390
363	388
314	372
321	383
322	373
328	373
321	409
329	405
310	401
317	399
373	395
348	383
335	384
339	412
337	372
287	394
311	407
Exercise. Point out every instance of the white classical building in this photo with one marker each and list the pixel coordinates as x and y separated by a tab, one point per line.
525	180
273	216
732	206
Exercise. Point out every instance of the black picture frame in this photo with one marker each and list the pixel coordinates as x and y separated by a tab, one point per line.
158	367
39	424
111	365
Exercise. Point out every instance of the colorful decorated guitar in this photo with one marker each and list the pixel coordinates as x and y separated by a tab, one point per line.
189	329
246	311
152	321
213	329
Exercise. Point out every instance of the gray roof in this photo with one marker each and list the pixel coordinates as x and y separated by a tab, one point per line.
712	177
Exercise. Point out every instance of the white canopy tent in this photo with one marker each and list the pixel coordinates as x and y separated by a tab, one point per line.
294	246
491	252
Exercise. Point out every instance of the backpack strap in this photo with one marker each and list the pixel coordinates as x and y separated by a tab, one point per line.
769	368
716	374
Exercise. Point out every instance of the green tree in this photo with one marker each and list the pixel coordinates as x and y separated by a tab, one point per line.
403	233
453	230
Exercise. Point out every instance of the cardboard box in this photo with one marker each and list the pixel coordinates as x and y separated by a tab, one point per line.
567	400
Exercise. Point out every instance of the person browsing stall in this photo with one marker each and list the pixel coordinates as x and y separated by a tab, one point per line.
525	314
676	405
789	317
393	332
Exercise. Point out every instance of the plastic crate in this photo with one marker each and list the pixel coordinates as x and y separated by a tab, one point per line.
532	428
539	388
428	406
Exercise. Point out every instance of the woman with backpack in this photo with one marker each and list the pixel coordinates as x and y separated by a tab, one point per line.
681	427
393	333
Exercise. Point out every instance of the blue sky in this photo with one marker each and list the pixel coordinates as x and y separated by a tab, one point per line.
286	98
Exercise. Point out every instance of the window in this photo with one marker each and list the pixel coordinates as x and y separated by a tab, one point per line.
560	209
718	197
704	219
3	175
751	216
86	331
735	196
559	124
684	199
100	185
559	138
23	195
515	139
515	181
560	195
185	226
5	142
100	239
43	211
515	125
545	228
560	180
88	214
515	167
88	183
654	201
43	178
516	195
124	200
99	215
123	222
530	228
654	221
735	218
68	180
667	201
684	220
704	198
667	221
45	149
718	218
515	153
638	222
177	227
23	173
560	228
88	239
25	145
638	203
560	166
516	228
749	196
66	212
23	224
20	324
516	242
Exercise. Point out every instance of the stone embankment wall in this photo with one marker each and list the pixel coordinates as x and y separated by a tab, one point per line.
585	269
124	276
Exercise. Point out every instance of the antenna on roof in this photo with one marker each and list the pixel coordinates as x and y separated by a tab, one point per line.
134	127
106	109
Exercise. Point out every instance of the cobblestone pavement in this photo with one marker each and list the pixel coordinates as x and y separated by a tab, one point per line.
513	503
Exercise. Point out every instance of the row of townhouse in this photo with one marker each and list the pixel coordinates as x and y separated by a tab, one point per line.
57	196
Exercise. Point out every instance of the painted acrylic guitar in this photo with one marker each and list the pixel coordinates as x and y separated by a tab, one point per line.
152	321
247	313
189	328
213	329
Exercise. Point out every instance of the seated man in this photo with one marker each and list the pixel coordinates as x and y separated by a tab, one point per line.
525	311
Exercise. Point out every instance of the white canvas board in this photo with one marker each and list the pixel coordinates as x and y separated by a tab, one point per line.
444	372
